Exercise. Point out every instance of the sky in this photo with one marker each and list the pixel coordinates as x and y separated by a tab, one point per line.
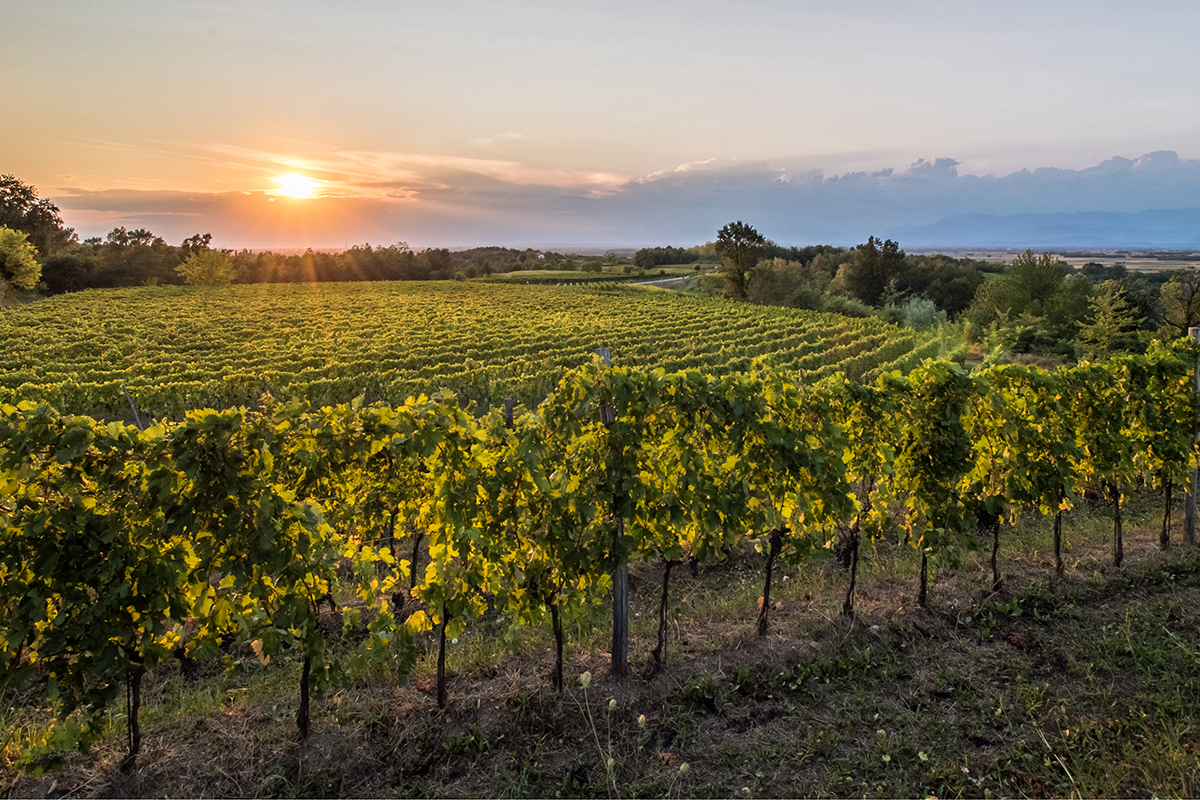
542	123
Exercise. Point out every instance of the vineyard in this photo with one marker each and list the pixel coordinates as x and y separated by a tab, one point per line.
124	549
167	350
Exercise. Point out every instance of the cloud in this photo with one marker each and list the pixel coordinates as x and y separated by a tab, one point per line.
685	167
364	173
808	206
384	197
932	168
493	142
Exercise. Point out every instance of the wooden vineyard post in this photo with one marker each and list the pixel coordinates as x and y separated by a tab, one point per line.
1189	508
136	417
508	413
620	643
485	400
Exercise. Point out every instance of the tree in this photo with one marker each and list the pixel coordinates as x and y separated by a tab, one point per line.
68	272
950	283
1067	309
1038	276
1181	302
739	245
439	259
876	264
207	268
19	266
1114	326
788	283
196	242
134	258
21	209
139	237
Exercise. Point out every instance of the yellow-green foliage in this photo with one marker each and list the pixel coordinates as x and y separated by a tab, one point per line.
207	268
18	259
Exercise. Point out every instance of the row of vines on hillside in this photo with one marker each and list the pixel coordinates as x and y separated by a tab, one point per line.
120	547
173	349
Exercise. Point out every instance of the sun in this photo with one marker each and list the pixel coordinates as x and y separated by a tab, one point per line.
298	186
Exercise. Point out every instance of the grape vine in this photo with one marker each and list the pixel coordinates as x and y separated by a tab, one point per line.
263	528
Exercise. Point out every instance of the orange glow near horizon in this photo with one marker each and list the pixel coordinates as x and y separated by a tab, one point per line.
300	187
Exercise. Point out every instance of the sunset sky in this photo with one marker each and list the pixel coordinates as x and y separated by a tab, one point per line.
567	123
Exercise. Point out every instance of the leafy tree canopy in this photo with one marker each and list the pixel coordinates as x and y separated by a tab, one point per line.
199	241
21	209
740	245
1181	302
875	265
1114	323
650	257
1038	277
207	268
19	266
139	237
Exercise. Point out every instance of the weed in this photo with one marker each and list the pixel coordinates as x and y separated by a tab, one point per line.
705	692
606	753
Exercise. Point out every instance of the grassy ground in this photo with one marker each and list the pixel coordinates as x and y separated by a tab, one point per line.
1084	685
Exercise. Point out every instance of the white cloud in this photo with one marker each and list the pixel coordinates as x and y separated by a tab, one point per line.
933	167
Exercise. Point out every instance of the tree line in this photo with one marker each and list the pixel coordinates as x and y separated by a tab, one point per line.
1037	307
855	281
37	250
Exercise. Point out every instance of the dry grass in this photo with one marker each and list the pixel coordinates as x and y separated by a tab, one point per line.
1083	685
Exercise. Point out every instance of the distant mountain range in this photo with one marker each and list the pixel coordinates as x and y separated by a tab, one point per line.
1176	229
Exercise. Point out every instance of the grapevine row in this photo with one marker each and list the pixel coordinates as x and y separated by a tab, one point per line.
169	350
121	547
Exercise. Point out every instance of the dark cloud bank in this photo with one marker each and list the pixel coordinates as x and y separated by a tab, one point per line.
1149	202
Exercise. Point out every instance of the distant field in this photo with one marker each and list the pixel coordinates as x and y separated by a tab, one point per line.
1136	261
610	272
176	348
1136	264
541	275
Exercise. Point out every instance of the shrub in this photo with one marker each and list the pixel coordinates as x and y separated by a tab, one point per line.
207	268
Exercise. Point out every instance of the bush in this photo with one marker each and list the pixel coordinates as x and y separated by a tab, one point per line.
19	266
847	307
1026	334
207	268
712	284
921	313
808	298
